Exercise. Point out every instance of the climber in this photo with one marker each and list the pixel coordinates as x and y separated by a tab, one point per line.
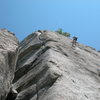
74	41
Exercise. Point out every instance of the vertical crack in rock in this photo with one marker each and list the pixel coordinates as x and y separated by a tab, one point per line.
27	67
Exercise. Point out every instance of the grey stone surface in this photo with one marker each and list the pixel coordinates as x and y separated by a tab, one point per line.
8	55
49	68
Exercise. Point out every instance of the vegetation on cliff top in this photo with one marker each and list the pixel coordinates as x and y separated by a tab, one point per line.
60	31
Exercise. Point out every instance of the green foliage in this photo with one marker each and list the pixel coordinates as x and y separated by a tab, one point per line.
60	31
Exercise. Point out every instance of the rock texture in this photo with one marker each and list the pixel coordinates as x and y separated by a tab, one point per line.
49	68
8	55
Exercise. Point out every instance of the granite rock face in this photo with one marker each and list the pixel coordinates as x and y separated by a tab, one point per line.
8	56
49	68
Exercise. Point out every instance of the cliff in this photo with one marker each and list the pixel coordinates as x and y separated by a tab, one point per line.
8	57
49	68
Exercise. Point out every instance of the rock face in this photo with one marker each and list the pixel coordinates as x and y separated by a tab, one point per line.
49	68
8	55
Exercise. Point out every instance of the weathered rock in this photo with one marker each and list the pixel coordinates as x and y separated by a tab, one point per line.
8	55
48	68
12	94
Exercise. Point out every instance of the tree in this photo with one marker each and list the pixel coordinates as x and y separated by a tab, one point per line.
60	31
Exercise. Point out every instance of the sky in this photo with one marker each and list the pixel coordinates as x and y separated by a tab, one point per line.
80	18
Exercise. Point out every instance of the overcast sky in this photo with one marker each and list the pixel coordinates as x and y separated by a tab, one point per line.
79	17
